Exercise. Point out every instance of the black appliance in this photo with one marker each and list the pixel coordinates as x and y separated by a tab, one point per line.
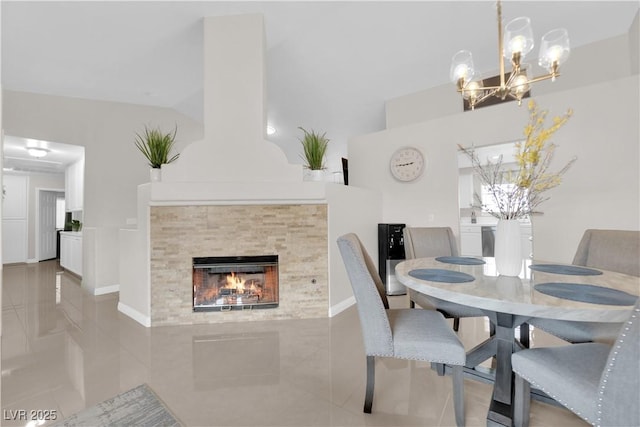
390	253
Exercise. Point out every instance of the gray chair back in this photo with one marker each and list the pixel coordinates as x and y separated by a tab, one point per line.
614	250
370	296
619	391
423	242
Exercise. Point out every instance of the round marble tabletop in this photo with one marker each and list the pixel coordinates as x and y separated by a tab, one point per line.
517	295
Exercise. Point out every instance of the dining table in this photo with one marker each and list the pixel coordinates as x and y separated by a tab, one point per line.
542	290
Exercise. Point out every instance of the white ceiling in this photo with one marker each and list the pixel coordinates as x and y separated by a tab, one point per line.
59	155
331	65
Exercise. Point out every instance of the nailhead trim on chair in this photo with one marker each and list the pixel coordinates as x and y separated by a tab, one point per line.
634	316
554	397
448	362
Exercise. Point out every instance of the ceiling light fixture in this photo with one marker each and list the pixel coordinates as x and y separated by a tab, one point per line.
516	43
37	152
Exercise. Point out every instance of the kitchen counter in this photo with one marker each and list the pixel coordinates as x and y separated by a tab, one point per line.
71	251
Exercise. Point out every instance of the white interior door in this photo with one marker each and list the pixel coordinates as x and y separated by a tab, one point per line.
47	233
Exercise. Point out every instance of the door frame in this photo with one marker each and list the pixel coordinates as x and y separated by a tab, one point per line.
37	220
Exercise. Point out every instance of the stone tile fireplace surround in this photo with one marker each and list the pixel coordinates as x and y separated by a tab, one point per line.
297	233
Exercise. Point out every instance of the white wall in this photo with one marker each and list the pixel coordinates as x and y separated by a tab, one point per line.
351	210
424	202
113	166
634	45
135	285
600	191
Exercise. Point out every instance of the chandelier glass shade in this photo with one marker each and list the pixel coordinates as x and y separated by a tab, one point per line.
515	41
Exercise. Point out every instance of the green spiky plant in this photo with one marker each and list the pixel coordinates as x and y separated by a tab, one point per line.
156	146
315	147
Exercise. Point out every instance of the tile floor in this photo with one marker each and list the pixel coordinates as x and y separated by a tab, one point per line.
64	350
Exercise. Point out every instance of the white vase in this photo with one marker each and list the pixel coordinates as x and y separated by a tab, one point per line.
156	174
508	247
509	286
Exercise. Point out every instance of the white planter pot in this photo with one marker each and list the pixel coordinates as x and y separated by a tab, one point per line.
156	174
508	247
315	175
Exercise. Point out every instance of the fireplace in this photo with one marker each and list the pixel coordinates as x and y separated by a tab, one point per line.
235	283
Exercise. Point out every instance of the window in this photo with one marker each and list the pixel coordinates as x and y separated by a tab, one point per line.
504	194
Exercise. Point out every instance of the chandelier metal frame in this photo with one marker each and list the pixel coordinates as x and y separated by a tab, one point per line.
518	83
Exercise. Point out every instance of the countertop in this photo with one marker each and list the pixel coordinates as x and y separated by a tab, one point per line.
487	221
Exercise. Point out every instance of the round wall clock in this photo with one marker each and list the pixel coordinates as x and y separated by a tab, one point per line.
407	164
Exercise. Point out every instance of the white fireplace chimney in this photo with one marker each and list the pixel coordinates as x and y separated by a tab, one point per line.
234	148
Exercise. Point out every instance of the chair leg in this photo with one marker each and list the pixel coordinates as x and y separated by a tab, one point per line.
492	329
522	402
371	374
456	323
439	368
458	394
524	335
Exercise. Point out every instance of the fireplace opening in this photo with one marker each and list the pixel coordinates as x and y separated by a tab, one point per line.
235	283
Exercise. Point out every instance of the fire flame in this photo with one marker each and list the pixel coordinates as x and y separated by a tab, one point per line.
234	281
237	282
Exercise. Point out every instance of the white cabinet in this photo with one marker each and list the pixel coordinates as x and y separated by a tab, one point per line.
71	251
74	186
470	241
14	218
465	190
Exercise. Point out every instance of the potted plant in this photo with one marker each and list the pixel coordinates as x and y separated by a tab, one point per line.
156	146
76	225
314	147
516	193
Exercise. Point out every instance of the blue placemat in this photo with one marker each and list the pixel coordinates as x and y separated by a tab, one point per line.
460	260
586	293
439	275
574	270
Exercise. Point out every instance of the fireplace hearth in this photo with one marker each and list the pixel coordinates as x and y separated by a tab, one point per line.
235	283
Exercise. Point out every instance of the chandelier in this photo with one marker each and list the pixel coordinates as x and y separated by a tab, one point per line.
516	43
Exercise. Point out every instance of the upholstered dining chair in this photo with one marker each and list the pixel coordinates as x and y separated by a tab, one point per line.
398	333
422	242
596	381
613	250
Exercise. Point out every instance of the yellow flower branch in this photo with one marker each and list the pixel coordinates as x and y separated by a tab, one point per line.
518	193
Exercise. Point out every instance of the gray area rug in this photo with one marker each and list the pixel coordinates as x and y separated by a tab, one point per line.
137	407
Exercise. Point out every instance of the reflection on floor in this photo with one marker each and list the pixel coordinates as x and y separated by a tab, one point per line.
64	350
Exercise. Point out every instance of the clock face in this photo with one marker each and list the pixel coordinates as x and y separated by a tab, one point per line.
407	164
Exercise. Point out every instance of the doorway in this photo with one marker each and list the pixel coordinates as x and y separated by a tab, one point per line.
50	211
46	173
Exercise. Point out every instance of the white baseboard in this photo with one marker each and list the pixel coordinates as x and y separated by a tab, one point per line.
106	290
341	306
134	314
